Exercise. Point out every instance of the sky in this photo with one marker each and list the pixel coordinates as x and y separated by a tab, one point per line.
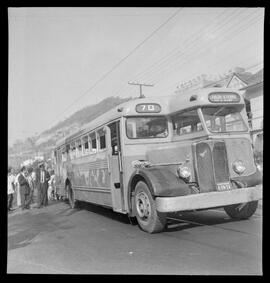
63	59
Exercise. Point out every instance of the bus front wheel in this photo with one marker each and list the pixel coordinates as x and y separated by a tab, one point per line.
149	219
241	210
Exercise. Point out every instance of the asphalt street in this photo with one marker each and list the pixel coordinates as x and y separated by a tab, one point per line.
96	240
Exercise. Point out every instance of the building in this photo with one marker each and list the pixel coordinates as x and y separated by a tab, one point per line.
254	94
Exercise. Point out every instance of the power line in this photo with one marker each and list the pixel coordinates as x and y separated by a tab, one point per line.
204	49
120	62
175	51
194	38
177	83
187	57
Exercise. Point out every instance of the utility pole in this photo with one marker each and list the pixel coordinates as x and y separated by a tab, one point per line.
140	84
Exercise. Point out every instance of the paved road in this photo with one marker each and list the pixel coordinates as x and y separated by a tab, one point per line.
95	240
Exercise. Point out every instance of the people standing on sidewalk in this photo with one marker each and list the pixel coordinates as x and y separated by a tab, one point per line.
11	188
17	186
24	189
52	194
31	181
42	178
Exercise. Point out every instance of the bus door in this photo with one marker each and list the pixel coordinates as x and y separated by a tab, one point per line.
116	168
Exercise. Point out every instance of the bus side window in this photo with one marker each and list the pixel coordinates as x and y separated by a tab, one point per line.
78	148
85	145
59	155
114	139
67	150
63	152
93	140
102	139
72	151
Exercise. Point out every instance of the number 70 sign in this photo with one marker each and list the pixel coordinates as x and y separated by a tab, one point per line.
148	108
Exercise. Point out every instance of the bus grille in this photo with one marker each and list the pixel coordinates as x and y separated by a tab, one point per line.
220	162
212	165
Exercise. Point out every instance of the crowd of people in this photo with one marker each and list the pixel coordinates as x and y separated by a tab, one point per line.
32	187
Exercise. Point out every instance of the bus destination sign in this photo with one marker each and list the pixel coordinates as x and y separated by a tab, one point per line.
148	108
228	97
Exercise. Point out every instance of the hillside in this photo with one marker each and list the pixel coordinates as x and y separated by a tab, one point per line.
44	142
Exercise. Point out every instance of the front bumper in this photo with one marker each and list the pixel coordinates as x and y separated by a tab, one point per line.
208	200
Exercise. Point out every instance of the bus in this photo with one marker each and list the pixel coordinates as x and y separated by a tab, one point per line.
151	156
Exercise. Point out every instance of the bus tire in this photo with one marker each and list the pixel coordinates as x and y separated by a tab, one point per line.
72	202
241	210
149	219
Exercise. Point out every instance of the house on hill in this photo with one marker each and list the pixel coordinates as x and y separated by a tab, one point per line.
254	94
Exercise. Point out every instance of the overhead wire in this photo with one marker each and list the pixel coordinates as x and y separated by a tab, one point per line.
204	47
170	56
176	50
106	74
188	57
219	28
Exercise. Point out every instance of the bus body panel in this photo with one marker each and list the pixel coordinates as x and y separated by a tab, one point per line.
110	180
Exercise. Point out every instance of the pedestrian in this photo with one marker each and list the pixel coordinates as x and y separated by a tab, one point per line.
31	181
11	188
24	189
52	194
17	186
42	178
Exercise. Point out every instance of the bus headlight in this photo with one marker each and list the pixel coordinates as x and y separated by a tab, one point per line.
239	167
184	172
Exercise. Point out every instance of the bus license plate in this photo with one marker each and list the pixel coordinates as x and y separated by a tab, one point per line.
223	186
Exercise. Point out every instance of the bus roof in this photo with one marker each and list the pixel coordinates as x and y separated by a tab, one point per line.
169	104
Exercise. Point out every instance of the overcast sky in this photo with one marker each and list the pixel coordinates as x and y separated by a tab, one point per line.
57	54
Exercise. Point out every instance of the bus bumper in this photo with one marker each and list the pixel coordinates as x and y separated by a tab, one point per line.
208	200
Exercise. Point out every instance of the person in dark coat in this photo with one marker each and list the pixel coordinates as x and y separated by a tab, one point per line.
24	189
42	178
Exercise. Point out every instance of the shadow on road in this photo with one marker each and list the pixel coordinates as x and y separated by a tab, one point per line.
189	220
106	212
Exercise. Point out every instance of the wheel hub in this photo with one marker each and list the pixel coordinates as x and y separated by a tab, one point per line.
143	206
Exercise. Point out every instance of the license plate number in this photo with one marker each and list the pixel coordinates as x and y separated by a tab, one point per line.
223	187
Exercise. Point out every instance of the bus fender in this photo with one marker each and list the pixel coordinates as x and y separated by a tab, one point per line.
160	181
250	180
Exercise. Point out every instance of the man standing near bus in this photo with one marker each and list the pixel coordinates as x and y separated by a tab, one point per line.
24	189
42	178
11	187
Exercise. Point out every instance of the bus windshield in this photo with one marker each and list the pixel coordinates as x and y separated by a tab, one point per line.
223	119
147	127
